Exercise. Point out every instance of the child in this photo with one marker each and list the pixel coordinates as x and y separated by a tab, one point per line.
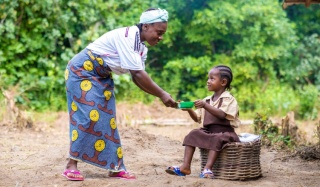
219	116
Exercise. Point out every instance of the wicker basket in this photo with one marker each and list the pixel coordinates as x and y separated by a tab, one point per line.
237	161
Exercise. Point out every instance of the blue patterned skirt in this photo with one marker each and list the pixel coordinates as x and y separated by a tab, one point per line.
94	136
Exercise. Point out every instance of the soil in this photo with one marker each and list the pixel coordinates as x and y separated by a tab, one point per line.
152	140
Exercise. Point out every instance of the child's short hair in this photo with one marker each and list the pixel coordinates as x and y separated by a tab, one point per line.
225	72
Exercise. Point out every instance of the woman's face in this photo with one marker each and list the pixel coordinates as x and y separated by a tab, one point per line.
153	33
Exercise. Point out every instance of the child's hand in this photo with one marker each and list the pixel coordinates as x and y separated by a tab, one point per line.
187	109
176	104
199	103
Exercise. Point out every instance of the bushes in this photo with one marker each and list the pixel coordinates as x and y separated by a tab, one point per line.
271	134
274	67
308	102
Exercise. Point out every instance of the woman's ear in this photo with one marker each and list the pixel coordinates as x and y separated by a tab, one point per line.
145	27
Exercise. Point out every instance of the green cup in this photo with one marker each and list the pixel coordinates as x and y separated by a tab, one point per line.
185	105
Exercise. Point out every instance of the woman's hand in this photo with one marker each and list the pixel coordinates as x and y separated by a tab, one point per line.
168	101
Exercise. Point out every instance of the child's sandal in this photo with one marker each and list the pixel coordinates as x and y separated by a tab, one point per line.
206	173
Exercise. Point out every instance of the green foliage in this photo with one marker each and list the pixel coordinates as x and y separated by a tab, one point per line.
126	90
303	75
276	97
259	36
190	77
305	19
270	133
309	97
262	122
38	38
305	63
274	53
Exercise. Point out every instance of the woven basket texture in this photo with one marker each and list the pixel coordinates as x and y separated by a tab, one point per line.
237	161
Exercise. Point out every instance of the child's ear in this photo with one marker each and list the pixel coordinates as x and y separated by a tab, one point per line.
224	82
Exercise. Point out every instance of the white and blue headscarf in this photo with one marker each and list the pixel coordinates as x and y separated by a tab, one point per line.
153	16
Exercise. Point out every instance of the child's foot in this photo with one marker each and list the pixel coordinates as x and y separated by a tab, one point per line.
175	170
206	173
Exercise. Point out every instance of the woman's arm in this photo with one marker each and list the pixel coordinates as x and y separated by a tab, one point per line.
145	83
140	86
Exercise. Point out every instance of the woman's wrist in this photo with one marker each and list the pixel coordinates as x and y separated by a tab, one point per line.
163	94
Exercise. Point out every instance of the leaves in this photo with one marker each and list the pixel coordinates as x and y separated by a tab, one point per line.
273	53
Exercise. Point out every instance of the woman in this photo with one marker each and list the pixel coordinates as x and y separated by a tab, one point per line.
90	92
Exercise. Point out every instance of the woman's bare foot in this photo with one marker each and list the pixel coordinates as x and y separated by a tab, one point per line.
72	164
71	172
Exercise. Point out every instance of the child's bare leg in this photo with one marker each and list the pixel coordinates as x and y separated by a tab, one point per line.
188	154
212	157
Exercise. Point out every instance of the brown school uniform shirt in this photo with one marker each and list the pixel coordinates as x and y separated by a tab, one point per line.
227	103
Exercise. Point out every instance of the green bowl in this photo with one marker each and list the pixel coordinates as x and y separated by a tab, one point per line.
185	104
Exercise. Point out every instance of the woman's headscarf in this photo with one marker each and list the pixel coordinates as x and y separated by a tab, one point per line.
153	16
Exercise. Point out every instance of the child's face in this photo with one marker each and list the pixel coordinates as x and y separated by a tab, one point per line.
214	82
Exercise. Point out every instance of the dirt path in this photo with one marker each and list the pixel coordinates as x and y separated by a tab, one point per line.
37	158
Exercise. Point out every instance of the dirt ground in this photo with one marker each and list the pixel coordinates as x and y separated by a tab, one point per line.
151	138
